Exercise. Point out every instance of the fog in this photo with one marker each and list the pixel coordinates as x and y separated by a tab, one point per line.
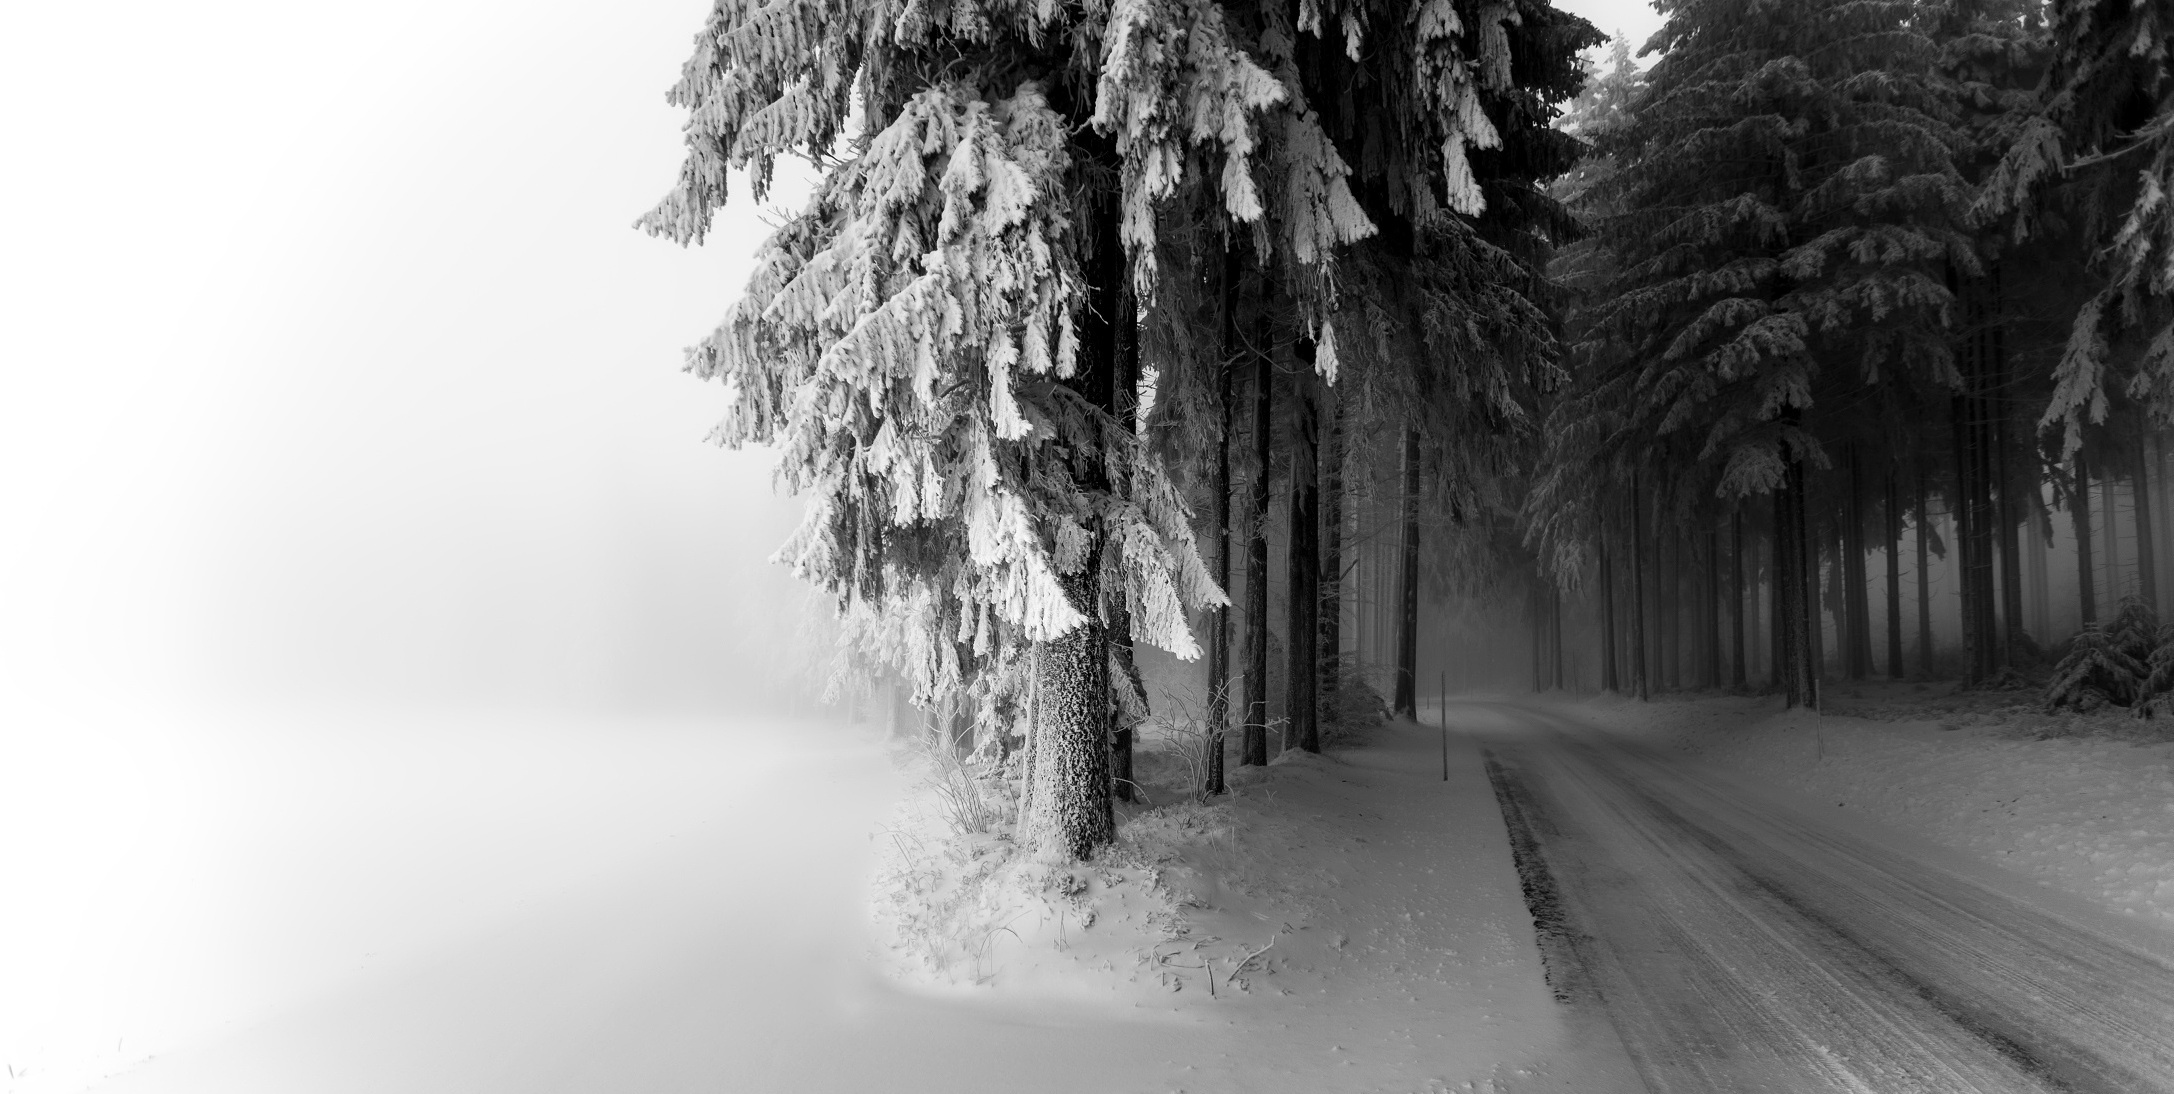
341	410
335	369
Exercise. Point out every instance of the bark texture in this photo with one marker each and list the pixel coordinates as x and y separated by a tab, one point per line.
2079	506
1070	780
1302	728
1255	750
1407	646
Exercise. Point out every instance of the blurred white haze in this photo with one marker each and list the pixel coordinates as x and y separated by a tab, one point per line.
367	598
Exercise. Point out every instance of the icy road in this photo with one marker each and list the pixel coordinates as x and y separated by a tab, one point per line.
1739	940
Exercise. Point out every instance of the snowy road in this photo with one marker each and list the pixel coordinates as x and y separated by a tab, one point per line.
1739	942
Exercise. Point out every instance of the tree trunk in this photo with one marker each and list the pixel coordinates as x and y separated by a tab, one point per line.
1712	596
1777	655
2079	507
1219	626
2003	473
2010	513
1894	578
1738	673
1788	597
1966	540
1640	678
1129	706
1609	682
1332	567
1801	626
1254	749
1858	586
1407	637
2110	543
1071	773
1302	605
1069	787
1672	608
1924	580
1555	633
2147	576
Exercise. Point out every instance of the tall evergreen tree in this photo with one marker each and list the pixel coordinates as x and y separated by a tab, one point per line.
933	342
1784	204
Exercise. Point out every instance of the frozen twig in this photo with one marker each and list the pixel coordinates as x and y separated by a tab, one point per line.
1249	958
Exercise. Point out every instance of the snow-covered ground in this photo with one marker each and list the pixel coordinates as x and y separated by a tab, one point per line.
479	901
2082	803
1402	954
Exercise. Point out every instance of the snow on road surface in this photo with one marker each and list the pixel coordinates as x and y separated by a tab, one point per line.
2082	802
1742	940
534	903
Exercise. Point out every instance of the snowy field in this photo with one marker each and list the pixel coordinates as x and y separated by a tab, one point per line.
495	901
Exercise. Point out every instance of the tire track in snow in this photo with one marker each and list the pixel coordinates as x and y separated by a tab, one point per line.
1561	961
1737	951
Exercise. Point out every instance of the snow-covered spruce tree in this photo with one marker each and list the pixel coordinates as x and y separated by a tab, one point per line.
1446	317
931	343
2119	663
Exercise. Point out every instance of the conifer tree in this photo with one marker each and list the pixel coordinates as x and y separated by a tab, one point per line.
1784	205
931	343
2103	138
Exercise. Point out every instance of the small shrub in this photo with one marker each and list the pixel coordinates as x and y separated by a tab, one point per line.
967	800
2097	670
1189	738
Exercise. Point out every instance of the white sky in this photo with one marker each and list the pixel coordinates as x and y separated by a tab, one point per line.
332	364
1630	18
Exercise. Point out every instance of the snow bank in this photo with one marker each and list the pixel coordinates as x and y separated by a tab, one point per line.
2081	802
1345	921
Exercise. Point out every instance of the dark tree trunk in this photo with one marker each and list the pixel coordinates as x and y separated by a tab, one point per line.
1535	639
1788	598
2079	506
1555	633
1966	541
1672	608
1129	706
1069	789
2010	512
1254	748
1777	655
1332	566
1824	585
1609	681
1739	674
2002	472
1712	596
2147	576
1924	579
1407	635
1857	586
1894	578
1302	669
1640	677
1219	627
1800	628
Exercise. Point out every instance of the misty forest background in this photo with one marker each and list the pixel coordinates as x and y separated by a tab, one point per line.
1821	341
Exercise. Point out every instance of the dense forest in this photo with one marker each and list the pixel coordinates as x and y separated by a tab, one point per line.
1802	343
